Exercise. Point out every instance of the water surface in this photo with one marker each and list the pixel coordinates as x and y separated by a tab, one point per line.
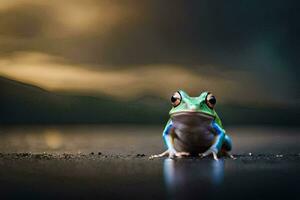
104	162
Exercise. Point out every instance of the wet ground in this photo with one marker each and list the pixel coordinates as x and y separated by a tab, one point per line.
103	162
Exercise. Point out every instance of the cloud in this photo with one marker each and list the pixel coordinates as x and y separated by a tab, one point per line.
134	32
244	51
56	74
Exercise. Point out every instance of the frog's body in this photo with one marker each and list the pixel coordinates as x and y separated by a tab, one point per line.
194	132
194	127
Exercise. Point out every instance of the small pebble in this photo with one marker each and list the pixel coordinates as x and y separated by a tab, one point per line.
250	154
24	154
67	156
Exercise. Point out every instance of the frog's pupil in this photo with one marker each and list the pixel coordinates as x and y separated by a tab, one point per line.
212	100
173	99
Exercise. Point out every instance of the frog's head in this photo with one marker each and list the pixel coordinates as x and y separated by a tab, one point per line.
184	104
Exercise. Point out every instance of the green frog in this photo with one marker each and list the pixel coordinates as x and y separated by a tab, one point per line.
194	128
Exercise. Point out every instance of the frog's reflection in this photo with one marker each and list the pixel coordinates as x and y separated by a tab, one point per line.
190	178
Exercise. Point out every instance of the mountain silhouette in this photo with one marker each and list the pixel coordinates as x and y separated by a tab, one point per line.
24	103
27	104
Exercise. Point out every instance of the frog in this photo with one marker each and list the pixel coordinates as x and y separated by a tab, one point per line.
194	128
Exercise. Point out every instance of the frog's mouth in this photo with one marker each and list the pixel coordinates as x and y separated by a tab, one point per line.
192	114
191	119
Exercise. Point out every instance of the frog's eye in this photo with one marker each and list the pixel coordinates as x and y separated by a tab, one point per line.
176	99
211	100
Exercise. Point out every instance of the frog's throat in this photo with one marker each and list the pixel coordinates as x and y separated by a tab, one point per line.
189	113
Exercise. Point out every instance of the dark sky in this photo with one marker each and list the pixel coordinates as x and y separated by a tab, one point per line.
244	51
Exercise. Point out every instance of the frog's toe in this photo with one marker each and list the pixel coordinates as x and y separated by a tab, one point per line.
182	154
154	156
215	156
227	154
209	152
166	153
232	157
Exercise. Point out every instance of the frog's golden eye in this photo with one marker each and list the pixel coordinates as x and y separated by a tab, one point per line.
211	100
176	99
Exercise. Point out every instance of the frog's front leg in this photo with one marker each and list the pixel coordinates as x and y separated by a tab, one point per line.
217	145
168	137
169	141
227	146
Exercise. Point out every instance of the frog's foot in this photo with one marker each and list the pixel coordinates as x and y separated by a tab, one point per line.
166	153
227	154
210	151
170	155
181	154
